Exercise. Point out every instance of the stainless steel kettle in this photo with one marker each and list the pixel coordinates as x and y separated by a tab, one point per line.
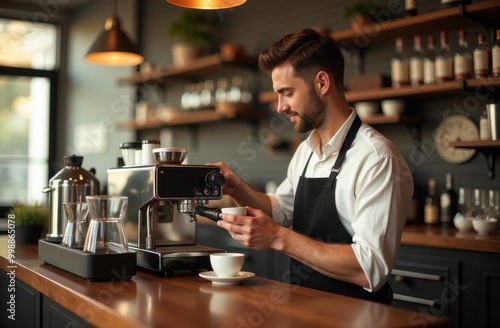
71	184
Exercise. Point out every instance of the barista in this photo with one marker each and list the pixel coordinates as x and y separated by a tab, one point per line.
340	212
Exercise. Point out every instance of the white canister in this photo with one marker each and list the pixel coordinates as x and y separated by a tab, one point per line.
138	157
128	151
148	157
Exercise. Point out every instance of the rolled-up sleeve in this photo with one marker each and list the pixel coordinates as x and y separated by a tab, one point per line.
382	199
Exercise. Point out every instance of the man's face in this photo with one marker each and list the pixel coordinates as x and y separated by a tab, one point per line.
297	99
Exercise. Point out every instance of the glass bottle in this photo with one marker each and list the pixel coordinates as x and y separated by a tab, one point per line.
448	202
246	92
444	61
221	91
495	55
484	127
461	204
475	210
234	94
429	61
186	97
431	207
492	211
195	95
463	58
417	63
411	7
400	73
494	207
481	58
207	96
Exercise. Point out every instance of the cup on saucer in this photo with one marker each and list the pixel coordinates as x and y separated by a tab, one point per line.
227	265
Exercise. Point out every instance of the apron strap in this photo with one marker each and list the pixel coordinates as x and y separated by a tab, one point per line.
351	134
307	164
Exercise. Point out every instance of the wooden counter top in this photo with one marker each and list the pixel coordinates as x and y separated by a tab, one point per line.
190	301
451	238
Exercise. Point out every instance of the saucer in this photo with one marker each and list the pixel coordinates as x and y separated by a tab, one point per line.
224	281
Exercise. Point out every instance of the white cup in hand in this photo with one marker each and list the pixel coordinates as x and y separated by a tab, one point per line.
227	265
234	210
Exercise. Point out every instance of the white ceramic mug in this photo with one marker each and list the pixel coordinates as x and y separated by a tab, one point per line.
234	210
227	265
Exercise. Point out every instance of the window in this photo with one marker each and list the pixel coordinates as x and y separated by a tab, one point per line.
28	62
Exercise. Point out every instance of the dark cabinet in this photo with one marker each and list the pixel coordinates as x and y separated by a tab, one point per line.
32	309
21	304
462	285
426	284
56	316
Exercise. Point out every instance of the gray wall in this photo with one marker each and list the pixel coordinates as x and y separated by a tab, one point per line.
92	100
256	24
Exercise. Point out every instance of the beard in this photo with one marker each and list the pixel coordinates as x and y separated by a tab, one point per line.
311	114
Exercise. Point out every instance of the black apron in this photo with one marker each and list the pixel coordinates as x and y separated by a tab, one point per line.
315	215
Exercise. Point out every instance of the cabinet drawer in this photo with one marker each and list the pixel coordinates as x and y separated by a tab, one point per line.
427	285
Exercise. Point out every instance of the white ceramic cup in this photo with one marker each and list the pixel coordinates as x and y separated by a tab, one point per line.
227	265
234	210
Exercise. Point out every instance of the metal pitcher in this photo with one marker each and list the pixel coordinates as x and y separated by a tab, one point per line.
71	184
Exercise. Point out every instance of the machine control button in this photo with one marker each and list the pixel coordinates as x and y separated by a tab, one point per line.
206	191
215	179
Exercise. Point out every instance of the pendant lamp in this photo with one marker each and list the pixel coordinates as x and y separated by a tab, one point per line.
112	47
207	4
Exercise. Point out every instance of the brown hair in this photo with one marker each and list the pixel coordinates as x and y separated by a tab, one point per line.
307	51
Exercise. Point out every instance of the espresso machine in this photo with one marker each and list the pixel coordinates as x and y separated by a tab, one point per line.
163	201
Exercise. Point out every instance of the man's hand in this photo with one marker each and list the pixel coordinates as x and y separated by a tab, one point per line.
233	182
256	229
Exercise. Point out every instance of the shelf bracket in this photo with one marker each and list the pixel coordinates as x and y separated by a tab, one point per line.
488	25
490	156
491	95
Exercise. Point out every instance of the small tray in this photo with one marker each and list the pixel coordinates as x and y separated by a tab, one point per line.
93	267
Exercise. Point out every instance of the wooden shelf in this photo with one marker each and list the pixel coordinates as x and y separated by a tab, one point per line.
405	27
384	119
196	117
476	144
405	92
175	118
489	148
199	66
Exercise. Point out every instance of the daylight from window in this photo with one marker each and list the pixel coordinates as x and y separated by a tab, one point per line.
24	109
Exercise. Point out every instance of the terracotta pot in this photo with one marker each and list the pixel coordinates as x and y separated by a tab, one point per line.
358	23
183	52
231	50
28	234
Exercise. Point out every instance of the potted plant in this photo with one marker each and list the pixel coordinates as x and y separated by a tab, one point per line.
191	30
359	12
30	220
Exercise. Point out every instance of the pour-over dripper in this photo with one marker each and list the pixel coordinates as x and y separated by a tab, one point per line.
76	226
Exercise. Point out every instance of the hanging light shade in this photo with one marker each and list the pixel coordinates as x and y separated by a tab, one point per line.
207	4
112	47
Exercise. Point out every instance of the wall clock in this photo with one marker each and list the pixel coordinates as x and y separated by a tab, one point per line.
455	128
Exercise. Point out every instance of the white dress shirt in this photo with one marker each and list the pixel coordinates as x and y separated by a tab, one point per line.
373	194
